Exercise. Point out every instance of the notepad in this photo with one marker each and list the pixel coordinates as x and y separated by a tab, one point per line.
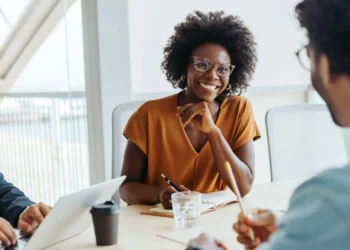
210	202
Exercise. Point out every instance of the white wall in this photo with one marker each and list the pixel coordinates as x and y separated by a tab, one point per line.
272	22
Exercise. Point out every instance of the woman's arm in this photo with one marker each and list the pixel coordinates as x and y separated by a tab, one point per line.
242	160
133	191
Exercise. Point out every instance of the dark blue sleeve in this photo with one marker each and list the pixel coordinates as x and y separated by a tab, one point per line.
12	201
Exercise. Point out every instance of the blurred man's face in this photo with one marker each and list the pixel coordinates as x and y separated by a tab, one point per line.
319	79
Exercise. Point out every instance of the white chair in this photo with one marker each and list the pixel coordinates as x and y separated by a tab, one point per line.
120	117
303	140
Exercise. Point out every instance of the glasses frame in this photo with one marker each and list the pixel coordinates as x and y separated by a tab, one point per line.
306	47
212	64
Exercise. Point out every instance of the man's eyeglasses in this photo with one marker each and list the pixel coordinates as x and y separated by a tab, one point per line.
304	58
204	65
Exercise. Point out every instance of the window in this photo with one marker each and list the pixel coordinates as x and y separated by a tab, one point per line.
43	118
10	12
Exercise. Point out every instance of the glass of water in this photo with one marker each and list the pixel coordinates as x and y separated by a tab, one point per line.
186	209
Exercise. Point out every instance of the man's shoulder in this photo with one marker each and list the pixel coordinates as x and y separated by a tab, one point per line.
317	217
328	182
324	195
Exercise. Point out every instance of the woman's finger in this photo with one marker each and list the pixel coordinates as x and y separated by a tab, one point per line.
190	115
181	109
171	190
197	106
183	188
165	199
191	106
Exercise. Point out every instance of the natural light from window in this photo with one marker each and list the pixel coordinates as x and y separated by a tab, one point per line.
58	65
10	13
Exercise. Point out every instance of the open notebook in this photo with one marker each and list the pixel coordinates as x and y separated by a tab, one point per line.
210	202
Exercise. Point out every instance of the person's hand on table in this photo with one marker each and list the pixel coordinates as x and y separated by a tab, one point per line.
262	221
165	195
32	217
7	233
205	242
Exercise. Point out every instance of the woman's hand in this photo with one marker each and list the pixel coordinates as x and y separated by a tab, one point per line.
165	195
197	114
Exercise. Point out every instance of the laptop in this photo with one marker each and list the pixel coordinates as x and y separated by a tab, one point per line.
69	217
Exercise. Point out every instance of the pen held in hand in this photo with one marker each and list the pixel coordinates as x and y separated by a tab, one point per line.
170	182
236	191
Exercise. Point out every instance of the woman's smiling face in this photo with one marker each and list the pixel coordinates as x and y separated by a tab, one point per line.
207	85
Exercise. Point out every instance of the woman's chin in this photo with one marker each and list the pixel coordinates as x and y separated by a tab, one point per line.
207	98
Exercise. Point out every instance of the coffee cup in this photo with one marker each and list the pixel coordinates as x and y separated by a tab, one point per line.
105	218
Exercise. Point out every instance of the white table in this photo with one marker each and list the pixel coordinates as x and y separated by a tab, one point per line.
138	231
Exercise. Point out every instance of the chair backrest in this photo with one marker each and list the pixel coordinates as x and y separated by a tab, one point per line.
302	140
120	117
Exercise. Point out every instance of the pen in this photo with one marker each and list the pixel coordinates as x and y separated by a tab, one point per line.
170	182
236	191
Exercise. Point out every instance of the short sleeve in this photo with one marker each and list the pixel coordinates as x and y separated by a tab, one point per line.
312	222
136	128
246	128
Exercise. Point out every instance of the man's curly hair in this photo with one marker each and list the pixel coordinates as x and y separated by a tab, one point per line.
213	27
328	26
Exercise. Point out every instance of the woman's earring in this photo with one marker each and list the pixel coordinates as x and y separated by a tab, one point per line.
180	82
228	87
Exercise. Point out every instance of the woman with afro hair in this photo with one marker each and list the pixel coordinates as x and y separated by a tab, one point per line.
190	135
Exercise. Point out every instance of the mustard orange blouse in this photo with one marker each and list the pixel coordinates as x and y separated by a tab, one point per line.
159	133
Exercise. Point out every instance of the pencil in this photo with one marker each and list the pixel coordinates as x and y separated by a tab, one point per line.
170	182
236	191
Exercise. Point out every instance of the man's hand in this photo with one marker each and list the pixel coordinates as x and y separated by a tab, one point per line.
206	242
262	221
165	195
7	234
32	217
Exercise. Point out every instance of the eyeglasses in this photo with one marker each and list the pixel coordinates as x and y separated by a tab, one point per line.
304	58
204	65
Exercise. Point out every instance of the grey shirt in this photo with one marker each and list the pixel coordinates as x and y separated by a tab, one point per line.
318	216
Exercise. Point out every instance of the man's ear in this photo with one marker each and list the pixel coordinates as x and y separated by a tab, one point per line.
324	68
